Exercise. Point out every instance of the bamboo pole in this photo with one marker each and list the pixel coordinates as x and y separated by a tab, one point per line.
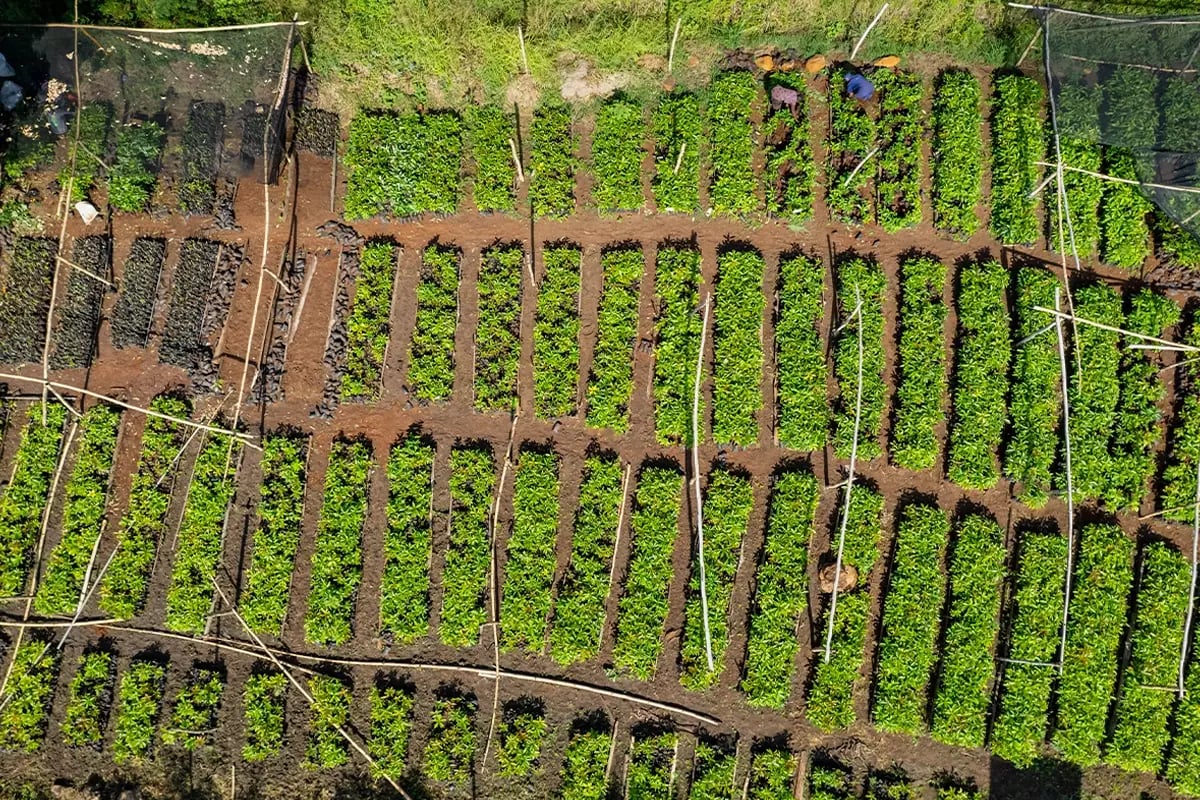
696	485
1062	360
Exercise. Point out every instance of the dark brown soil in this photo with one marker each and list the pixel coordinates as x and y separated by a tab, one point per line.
297	207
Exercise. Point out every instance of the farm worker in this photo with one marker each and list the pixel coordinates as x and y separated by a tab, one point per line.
783	96
859	87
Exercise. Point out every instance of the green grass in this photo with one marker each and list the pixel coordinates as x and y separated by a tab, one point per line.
138	701
123	588
738	347
912	611
337	556
198	539
264	602
465	572
498	334
556	333
407	541
780	590
530	562
610	382
728	500
83	515
803	413
642	609
579	613
88	706
25	497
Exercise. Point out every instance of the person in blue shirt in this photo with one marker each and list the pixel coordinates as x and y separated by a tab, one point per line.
859	87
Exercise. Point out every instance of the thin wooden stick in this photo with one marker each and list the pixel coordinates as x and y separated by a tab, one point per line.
60	623
524	55
612	569
85	271
1165	343
69	389
1191	608
679	158
671	53
1062	360
860	165
696	485
863	37
516	160
1128	181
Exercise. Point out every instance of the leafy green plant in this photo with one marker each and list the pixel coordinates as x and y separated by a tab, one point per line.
522	736
957	153
772	773
1017	146
921	387
264	602
964	688
83	513
1139	423
450	749
912	612
194	717
1178	499
84	149
651	770
901	128
714	768
368	327
677	129
848	184
263	704
1140	732
980	375
329	711
489	130
677	342
29	691
789	172
781	590
610	381
732	188
828	780
91	695
728	500
404	164
132	179
337	556
531	559
391	725
1099	595
123	587
24	499
138	701
1078	121
1019	727
617	155
803	421
738	347
552	163
642	609
1036	405
465	573
1094	388
407	541
1183	764
861	286
431	354
585	760
498	334
25	299
579	601
556	333
198	540
833	682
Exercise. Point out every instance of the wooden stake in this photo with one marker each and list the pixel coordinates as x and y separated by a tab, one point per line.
679	158
524	55
516	160
696	485
671	53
